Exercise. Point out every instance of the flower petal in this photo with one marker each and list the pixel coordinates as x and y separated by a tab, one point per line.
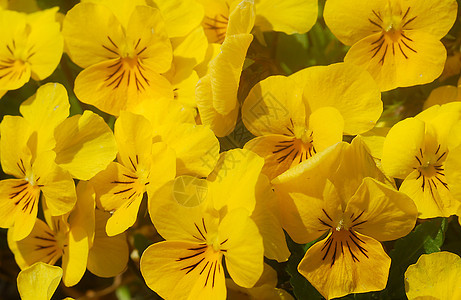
434	275
39	281
113	85
108	256
221	125
290	17
244	244
402	146
225	70
346	87
337	273
168	273
88	30
85	145
233	168
75	257
274	106
385	213
349	20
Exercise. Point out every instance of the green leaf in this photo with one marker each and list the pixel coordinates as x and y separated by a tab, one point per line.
301	287
427	238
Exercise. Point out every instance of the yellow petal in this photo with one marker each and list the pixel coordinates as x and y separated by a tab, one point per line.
153	48
16	146
356	164
83	213
236	166
267	217
109	255
58	186
88	30
133	134
337	266
434	276
48	108
241	19
417	58
245	250
432	198
196	148
178	209
273	105
402	145
348	88
287	16
327	126
39	281
46	42
442	13
124	217
279	152
19	206
164	111
180	16
225	72
221	125
76	255
117	84
349	20
453	171
385	214
168	270
14	73
85	145
40	245
194	46
121	9
441	95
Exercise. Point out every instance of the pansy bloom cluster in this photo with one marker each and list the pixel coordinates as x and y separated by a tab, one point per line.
230	149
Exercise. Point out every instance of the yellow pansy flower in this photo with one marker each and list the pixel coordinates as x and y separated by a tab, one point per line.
397	41
74	238
37	173
142	166
124	48
216	93
39	281
416	150
434	276
297	116
31	45
336	196
84	144
188	265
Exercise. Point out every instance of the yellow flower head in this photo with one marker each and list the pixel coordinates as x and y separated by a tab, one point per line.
434	276
142	166
416	150
37	173
297	116
203	223
124	47
78	238
30	46
337	198
397	41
